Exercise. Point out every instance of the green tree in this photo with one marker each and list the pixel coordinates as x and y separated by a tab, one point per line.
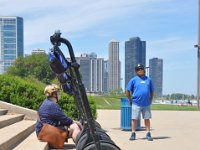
179	96
35	66
192	97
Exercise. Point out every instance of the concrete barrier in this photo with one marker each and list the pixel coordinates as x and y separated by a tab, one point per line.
29	114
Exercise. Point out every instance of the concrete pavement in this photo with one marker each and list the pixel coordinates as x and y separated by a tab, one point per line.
171	130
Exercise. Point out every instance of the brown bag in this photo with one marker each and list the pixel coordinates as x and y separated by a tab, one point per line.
53	135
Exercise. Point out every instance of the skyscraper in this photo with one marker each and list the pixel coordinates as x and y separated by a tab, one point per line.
135	52
156	74
114	66
100	74
105	80
91	69
11	41
85	70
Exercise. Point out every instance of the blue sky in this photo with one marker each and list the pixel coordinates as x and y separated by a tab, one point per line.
168	26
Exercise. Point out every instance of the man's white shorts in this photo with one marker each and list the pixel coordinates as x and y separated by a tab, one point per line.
137	110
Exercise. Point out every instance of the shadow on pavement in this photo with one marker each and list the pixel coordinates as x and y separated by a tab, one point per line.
161	137
129	130
157	138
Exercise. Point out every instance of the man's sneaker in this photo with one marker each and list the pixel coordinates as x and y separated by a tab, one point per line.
148	137
133	136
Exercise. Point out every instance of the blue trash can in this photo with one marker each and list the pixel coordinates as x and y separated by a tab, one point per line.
126	113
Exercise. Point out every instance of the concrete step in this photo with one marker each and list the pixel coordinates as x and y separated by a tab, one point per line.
32	143
12	135
7	120
3	111
29	114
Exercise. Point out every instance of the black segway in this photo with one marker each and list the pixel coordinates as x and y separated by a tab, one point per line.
92	137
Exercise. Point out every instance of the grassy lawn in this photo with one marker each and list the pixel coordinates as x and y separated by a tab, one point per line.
113	102
173	107
103	102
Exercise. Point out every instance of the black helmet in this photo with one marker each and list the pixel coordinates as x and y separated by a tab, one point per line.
138	67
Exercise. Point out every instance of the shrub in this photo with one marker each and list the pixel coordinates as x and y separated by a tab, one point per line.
29	94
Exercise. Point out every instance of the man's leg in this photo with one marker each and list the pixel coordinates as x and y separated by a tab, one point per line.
147	124
133	128
74	129
134	125
146	112
135	114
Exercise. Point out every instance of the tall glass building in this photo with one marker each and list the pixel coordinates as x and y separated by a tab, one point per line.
105	80
114	73
11	41
135	52
156	74
92	72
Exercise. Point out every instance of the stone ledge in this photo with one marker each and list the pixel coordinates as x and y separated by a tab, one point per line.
29	114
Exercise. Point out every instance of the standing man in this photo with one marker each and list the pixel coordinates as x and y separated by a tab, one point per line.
140	94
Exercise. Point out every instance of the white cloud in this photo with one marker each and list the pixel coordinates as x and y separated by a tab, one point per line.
42	18
170	46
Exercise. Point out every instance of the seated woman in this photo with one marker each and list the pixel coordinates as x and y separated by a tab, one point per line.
50	113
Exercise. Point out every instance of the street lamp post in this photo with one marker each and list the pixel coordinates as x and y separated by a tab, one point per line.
198	58
147	71
198	69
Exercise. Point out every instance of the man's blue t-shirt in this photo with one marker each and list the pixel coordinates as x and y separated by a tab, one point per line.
140	88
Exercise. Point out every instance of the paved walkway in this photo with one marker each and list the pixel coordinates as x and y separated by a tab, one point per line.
171	130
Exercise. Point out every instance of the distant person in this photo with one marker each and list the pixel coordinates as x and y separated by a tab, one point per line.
140	94
51	113
189	103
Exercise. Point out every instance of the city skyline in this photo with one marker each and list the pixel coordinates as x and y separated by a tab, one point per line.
169	28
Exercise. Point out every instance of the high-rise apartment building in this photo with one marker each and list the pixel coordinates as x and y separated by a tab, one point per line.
91	69
156	74
11	41
114	66
105	80
37	51
100	74
135	52
85	70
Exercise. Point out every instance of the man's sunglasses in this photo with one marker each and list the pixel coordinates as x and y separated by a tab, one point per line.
139	69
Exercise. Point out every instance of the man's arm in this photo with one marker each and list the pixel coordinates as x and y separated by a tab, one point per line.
151	97
59	115
128	94
151	91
